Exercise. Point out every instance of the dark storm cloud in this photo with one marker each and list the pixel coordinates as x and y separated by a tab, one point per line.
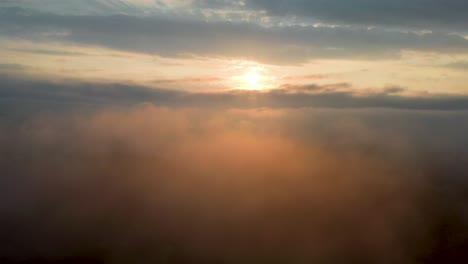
174	37
31	95
427	14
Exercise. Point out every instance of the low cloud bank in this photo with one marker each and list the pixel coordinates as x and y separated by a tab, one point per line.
151	184
20	97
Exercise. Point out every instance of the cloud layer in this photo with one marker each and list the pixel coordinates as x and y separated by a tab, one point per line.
34	95
97	173
449	15
179	37
426	14
151	184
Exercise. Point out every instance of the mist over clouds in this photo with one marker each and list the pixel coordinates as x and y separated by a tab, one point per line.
126	183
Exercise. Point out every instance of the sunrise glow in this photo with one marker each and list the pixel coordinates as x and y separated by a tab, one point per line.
252	80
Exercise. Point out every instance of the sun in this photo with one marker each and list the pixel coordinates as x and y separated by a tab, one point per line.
252	79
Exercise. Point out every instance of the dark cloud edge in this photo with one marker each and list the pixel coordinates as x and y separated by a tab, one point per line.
20	93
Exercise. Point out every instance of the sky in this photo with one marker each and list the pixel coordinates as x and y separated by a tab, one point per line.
420	45
233	131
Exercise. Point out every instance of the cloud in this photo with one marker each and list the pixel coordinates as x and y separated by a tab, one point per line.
151	184
35	95
201	80
80	7
394	90
307	77
451	15
11	67
178	37
459	65
49	52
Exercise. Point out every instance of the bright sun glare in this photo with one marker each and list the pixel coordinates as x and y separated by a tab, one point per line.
252	79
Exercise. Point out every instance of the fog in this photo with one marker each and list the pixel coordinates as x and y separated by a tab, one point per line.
149	184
